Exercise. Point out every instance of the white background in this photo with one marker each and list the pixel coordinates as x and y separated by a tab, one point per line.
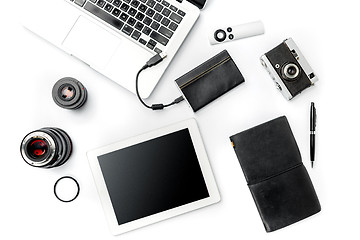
327	34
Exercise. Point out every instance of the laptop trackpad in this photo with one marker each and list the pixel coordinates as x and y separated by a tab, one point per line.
91	43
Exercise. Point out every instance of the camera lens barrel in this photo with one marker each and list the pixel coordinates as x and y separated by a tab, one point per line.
290	71
46	147
69	93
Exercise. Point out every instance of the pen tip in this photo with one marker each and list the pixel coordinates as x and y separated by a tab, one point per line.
312	164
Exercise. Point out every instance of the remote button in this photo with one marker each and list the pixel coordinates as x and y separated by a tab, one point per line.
103	15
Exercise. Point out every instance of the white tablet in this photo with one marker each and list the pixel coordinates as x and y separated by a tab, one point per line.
154	176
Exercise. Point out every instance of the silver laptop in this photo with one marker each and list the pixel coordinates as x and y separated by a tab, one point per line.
115	37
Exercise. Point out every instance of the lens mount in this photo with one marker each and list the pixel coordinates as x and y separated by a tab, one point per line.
69	93
46	148
290	71
43	160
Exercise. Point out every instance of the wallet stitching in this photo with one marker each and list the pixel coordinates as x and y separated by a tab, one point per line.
205	72
278	174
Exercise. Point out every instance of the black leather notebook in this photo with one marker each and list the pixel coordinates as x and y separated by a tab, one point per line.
210	80
277	179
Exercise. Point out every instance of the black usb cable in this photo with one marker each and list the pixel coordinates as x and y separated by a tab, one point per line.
152	62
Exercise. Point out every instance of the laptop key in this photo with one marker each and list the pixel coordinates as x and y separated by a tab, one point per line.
150	12
155	25
135	3
116	12
103	15
181	13
176	18
158	17
124	16
124	7
132	11
117	3
165	3
150	46
131	21
136	35
158	7
142	8
157	50
172	7
173	26
139	26
139	16
147	30
127	29
151	3
142	41
147	21
101	3
159	38
93	1
166	32
80	2
166	12
108	7
165	22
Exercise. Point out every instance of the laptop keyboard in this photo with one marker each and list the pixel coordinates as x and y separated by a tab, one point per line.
149	22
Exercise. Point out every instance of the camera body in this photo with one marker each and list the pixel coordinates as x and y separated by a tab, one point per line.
289	69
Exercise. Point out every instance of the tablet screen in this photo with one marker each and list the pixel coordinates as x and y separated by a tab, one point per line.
153	176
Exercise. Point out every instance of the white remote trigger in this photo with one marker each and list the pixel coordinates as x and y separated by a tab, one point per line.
228	34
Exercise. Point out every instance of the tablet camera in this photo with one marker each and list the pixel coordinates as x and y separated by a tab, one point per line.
46	148
69	93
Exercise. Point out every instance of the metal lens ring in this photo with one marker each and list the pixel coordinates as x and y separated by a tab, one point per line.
28	153
46	148
290	71
61	198
69	93
220	35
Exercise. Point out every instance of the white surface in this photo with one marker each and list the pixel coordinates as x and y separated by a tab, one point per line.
324	32
204	163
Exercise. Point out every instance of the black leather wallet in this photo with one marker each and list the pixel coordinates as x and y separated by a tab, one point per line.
277	179
210	80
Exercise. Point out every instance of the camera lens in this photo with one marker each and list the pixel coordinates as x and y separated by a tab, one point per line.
69	93
46	148
290	71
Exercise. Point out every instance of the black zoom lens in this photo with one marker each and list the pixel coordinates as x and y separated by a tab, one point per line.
46	148
69	93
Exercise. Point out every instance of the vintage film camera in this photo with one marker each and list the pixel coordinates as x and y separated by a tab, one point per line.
289	69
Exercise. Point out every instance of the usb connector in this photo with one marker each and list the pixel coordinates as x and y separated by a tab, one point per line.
152	62
155	60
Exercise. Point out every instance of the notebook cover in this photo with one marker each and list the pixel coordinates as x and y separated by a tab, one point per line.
277	179
210	80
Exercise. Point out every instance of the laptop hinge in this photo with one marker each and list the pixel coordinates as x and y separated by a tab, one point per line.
198	3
